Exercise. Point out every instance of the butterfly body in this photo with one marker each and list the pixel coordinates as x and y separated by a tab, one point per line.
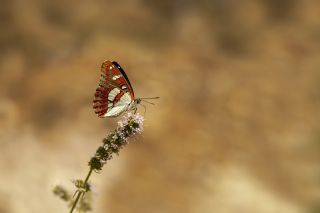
114	95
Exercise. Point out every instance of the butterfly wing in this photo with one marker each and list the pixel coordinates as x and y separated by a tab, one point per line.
114	94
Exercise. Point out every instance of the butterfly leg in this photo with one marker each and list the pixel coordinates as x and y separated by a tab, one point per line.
145	109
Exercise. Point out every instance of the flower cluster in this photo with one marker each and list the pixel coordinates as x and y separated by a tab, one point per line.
62	193
131	124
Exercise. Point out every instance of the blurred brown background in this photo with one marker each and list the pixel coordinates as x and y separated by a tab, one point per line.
236	129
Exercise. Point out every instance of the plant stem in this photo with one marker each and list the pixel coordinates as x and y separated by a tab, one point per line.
79	193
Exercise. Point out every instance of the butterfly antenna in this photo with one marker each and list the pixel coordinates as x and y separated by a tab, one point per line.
145	100
151	98
148	102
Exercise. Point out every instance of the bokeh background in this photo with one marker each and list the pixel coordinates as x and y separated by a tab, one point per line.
236	129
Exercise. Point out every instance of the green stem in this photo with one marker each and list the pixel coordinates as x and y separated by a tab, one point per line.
79	193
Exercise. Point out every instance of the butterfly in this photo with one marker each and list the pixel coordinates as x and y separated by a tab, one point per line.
114	95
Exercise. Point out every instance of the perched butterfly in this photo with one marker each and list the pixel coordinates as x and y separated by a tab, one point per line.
114	94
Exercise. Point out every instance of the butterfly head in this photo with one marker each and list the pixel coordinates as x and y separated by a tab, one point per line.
137	101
